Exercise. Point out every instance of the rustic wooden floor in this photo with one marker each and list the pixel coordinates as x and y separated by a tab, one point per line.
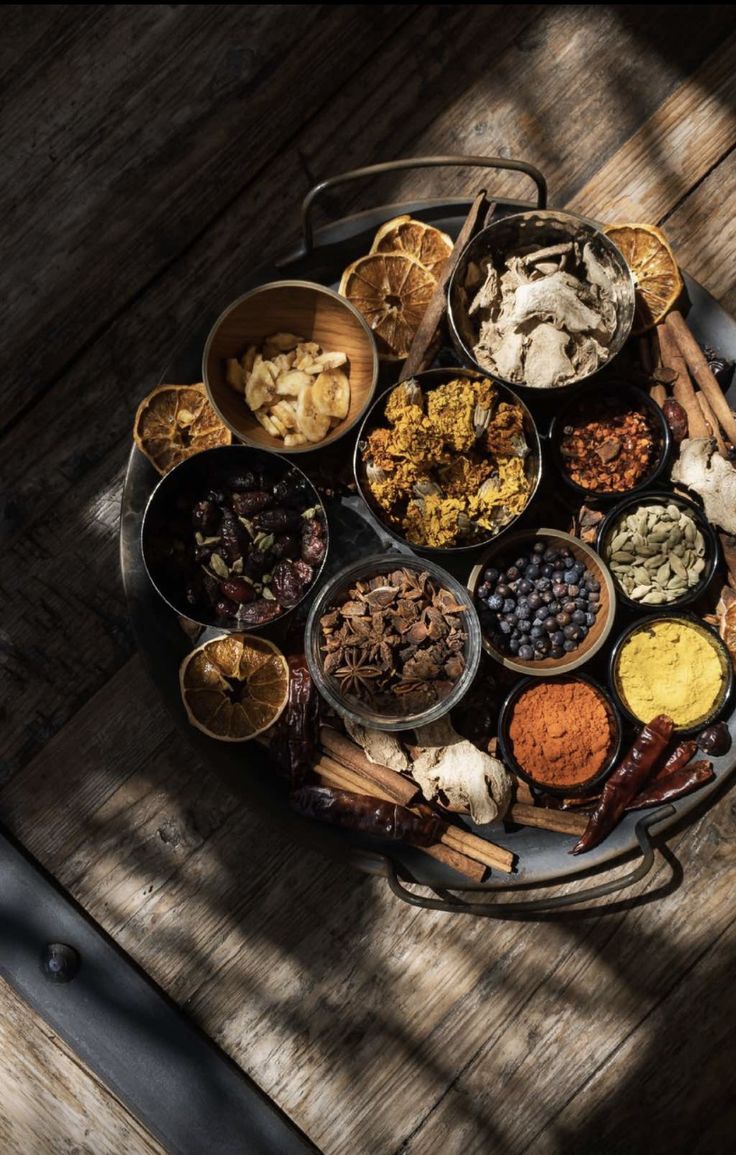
151	155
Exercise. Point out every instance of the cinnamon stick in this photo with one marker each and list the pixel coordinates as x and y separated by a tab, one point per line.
682	388
710	420
424	345
345	751
329	775
698	366
366	777
563	821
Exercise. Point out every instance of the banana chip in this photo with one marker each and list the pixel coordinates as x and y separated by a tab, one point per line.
295	389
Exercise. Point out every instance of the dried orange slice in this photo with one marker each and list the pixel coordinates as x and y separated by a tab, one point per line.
392	291
405	235
654	269
174	422
234	686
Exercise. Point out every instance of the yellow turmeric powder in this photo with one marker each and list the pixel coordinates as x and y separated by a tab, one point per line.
670	667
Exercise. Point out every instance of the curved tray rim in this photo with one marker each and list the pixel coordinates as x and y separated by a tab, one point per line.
369	855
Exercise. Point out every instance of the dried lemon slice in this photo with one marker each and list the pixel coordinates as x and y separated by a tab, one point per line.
424	242
176	421
392	291
235	686
655	271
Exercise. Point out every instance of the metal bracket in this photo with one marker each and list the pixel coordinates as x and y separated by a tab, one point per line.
174	1079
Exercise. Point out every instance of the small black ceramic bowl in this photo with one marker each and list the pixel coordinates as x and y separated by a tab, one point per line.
168	541
694	725
660	497
507	749
633	398
428	381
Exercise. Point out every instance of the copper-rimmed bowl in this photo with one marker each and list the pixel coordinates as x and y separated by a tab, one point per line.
502	553
308	310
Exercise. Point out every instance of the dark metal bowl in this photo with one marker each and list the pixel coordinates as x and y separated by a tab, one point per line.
546	228
429	380
168	512
657	422
718	645
506	748
662	497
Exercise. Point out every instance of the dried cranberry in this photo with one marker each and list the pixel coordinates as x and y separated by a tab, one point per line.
286	583
225	608
246	504
237	590
676	418
259	612
313	541
286	545
256	563
276	520
234	537
304	572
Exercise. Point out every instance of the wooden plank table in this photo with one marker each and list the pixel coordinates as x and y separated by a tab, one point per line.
151	155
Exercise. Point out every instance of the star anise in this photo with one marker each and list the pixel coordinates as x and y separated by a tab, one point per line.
356	674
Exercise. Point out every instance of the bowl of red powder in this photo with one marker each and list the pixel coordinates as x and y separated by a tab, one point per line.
562	735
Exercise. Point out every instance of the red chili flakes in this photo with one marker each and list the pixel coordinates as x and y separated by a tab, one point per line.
607	446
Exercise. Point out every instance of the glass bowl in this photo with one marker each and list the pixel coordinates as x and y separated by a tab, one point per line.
507	751
351	707
719	648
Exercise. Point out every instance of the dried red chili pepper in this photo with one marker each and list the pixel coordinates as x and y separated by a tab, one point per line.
626	782
294	738
676	785
679	757
366	814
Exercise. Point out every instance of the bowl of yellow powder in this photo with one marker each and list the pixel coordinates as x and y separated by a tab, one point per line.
671	664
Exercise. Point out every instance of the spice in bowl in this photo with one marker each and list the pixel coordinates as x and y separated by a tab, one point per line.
295	389
562	733
394	642
541	605
671	666
448	468
608	445
656	553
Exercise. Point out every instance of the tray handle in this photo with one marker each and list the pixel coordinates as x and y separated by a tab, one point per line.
493	162
550	905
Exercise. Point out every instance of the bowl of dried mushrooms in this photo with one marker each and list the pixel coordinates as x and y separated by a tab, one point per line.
448	460
290	366
540	300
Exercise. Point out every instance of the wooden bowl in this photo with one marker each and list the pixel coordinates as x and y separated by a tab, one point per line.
543	667
310	311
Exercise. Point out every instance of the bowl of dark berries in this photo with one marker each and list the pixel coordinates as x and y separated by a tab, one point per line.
234	537
545	601
393	642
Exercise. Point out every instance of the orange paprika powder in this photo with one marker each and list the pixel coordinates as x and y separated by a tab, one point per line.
561	732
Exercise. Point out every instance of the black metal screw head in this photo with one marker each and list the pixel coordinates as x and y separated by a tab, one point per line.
59	962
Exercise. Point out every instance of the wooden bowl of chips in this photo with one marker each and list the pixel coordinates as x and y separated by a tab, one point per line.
272	323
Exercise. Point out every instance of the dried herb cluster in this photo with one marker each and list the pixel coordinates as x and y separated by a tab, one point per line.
396	642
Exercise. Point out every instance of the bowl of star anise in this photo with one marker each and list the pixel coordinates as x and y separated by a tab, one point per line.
393	642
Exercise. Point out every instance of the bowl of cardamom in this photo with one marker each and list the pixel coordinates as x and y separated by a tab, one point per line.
661	551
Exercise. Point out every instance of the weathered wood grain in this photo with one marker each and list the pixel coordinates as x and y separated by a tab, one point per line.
56	466
49	1102
132	130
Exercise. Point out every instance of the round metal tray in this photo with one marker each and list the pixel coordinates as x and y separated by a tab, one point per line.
543	856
